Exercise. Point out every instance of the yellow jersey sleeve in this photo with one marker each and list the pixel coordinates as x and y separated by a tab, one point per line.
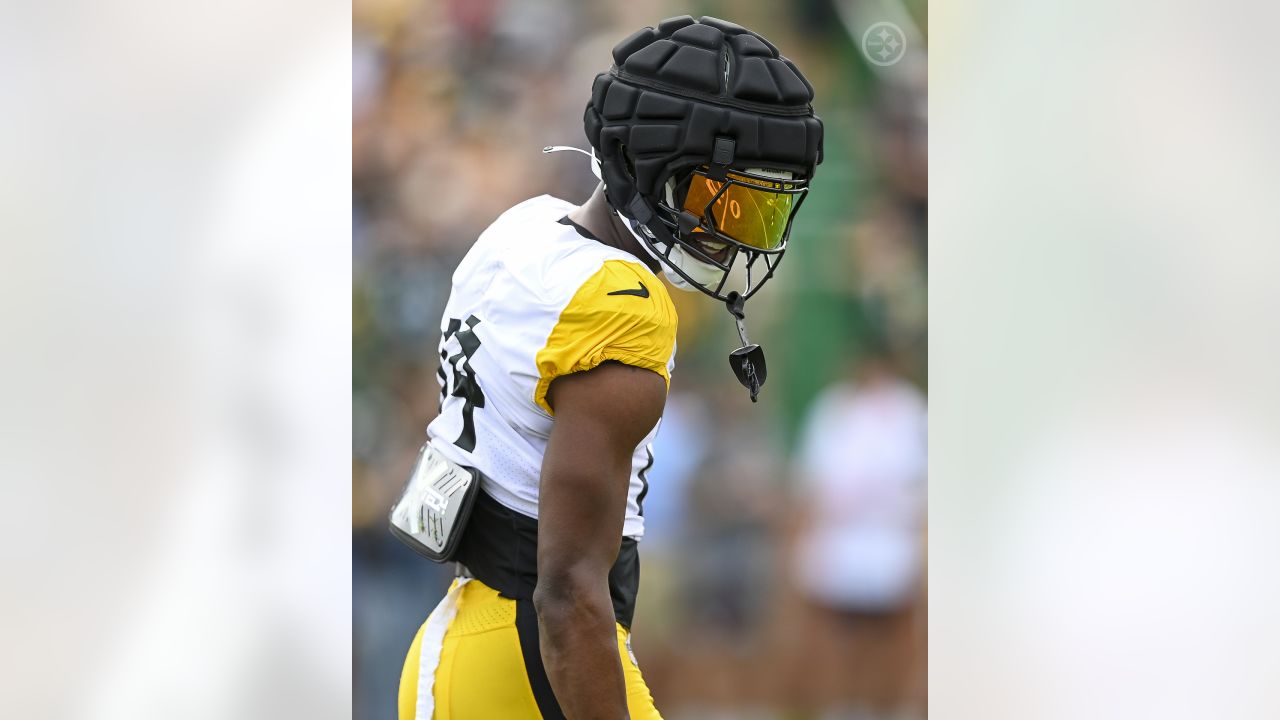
621	313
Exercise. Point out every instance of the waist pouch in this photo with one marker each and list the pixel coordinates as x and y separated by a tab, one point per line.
434	508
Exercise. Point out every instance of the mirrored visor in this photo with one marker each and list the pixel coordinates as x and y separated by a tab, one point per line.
752	210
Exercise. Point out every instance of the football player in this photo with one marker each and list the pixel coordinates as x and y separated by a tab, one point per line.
557	347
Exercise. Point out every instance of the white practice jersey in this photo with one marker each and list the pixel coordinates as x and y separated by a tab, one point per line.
533	300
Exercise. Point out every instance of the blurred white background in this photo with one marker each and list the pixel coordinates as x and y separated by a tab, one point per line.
1104	397
176	307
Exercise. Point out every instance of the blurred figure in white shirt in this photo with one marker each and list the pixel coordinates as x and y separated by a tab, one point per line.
861	476
859	552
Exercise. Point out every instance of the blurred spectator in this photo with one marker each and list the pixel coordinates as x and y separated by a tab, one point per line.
861	480
859	551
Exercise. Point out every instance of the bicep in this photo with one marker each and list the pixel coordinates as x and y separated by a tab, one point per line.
601	415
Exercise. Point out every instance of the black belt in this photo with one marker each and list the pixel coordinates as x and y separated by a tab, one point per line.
500	549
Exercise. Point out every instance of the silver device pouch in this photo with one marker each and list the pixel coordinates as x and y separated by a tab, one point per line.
433	509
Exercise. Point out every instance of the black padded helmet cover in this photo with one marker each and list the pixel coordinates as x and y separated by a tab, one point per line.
675	89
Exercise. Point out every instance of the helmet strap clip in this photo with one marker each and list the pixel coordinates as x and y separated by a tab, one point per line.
688	221
721	158
639	210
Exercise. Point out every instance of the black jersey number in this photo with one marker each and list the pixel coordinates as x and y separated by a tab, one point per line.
465	384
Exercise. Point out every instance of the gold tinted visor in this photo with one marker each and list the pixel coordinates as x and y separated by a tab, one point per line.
751	210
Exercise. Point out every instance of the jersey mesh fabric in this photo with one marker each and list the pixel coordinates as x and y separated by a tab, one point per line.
532	301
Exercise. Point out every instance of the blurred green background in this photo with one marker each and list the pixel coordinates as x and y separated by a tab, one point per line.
452	103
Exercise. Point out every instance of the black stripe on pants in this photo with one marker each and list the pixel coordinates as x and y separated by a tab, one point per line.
527	628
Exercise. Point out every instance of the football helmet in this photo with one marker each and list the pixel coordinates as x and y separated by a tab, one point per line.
706	141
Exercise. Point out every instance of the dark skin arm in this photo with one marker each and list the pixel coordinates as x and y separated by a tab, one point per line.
600	417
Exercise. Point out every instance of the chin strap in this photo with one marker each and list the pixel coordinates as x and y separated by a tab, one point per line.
595	161
747	362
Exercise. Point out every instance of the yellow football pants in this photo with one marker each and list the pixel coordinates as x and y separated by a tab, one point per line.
482	672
